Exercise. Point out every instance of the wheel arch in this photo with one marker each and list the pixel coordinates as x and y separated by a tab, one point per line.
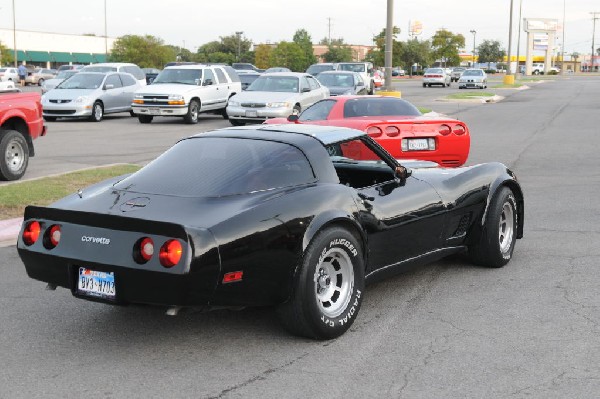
19	124
514	186
196	98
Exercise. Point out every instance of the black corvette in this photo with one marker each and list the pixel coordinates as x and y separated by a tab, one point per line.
295	216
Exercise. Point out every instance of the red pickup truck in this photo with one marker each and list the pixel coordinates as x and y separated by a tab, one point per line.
21	122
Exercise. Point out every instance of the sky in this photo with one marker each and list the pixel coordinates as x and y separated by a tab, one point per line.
190	24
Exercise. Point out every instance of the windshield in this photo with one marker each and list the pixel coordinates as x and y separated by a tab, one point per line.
216	166
100	69
317	69
182	76
336	79
65	74
275	83
82	81
352	67
379	107
434	70
472	72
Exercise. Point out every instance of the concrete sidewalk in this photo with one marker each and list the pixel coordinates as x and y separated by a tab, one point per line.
9	230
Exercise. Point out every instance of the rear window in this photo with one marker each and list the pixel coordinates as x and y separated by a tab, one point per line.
379	107
214	167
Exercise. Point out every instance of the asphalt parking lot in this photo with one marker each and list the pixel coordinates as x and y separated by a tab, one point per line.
446	330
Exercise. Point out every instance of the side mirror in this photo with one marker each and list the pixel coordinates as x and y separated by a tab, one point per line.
305	89
208	82
109	86
402	173
293	118
361	83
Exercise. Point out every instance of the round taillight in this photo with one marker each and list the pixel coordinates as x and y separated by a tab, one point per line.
143	250
31	232
52	236
459	130
170	253
374	131
444	130
392	131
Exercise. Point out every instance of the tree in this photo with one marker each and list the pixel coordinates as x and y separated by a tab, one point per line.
303	39
377	56
415	52
226	50
445	46
288	54
5	57
262	56
489	51
146	51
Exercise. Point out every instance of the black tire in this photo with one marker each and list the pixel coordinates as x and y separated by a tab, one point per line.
372	88
145	118
224	113
499	233
297	109
49	118
132	114
424	85
97	112
320	306
193	112
14	155
235	122
40	82
429	85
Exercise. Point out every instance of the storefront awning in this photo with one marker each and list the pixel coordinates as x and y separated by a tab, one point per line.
83	58
99	57
60	57
37	56
20	54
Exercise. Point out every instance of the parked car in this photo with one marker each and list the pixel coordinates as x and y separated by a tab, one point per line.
455	74
397	125
286	216
398	72
316	69
8	85
50	84
68	67
275	95
20	124
245	66
151	74
342	83
436	76
39	75
132	69
473	78
9	74
247	78
277	69
186	91
365	69
90	95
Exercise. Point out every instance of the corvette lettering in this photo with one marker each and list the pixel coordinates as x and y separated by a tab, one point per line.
96	240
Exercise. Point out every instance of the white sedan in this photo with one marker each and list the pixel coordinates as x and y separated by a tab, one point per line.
473	78
436	76
275	95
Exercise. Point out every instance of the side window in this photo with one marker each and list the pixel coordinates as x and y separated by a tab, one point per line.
221	75
113	80
313	84
318	111
135	71
358	79
304	84
209	77
127	80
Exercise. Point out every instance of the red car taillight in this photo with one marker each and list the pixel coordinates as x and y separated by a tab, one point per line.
170	253
392	131
52	236
374	131
143	250
444	130
459	130
31	233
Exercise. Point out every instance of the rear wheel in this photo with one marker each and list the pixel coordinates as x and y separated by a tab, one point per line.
328	289
145	118
40	82
97	112
297	109
193	112
424	85
15	155
49	118
235	122
498	236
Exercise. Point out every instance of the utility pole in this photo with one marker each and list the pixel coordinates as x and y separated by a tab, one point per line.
329	31
388	45
239	37
15	34
508	69
105	34
562	55
519	36
474	32
594	18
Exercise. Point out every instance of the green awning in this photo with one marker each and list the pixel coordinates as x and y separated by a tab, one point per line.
37	56
60	57
83	58
99	57
20	54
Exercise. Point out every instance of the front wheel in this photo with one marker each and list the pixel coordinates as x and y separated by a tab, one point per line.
193	112
297	109
49	118
15	155
97	112
40	82
498	236
235	122
328	289
145	118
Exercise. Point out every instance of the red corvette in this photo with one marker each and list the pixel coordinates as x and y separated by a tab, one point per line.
395	124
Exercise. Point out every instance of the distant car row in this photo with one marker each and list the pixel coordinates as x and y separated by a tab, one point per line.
467	78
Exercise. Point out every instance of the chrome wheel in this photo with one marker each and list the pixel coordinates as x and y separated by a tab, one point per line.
506	227
14	156
334	282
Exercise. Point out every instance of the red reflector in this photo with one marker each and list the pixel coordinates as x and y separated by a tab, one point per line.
459	129
146	248
170	253
52	236
374	131
444	130
392	131
31	232
232	277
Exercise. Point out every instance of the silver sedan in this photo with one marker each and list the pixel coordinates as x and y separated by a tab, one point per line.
275	95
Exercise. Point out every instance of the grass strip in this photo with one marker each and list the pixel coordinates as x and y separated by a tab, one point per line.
15	197
469	95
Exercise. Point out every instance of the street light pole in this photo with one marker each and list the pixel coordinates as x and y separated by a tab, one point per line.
474	32
105	34
239	36
508	69
594	18
15	34
389	45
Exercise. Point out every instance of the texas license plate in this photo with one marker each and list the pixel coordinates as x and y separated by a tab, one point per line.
152	111
251	114
417	144
96	284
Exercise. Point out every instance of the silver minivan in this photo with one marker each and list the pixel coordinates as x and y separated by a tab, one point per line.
133	69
